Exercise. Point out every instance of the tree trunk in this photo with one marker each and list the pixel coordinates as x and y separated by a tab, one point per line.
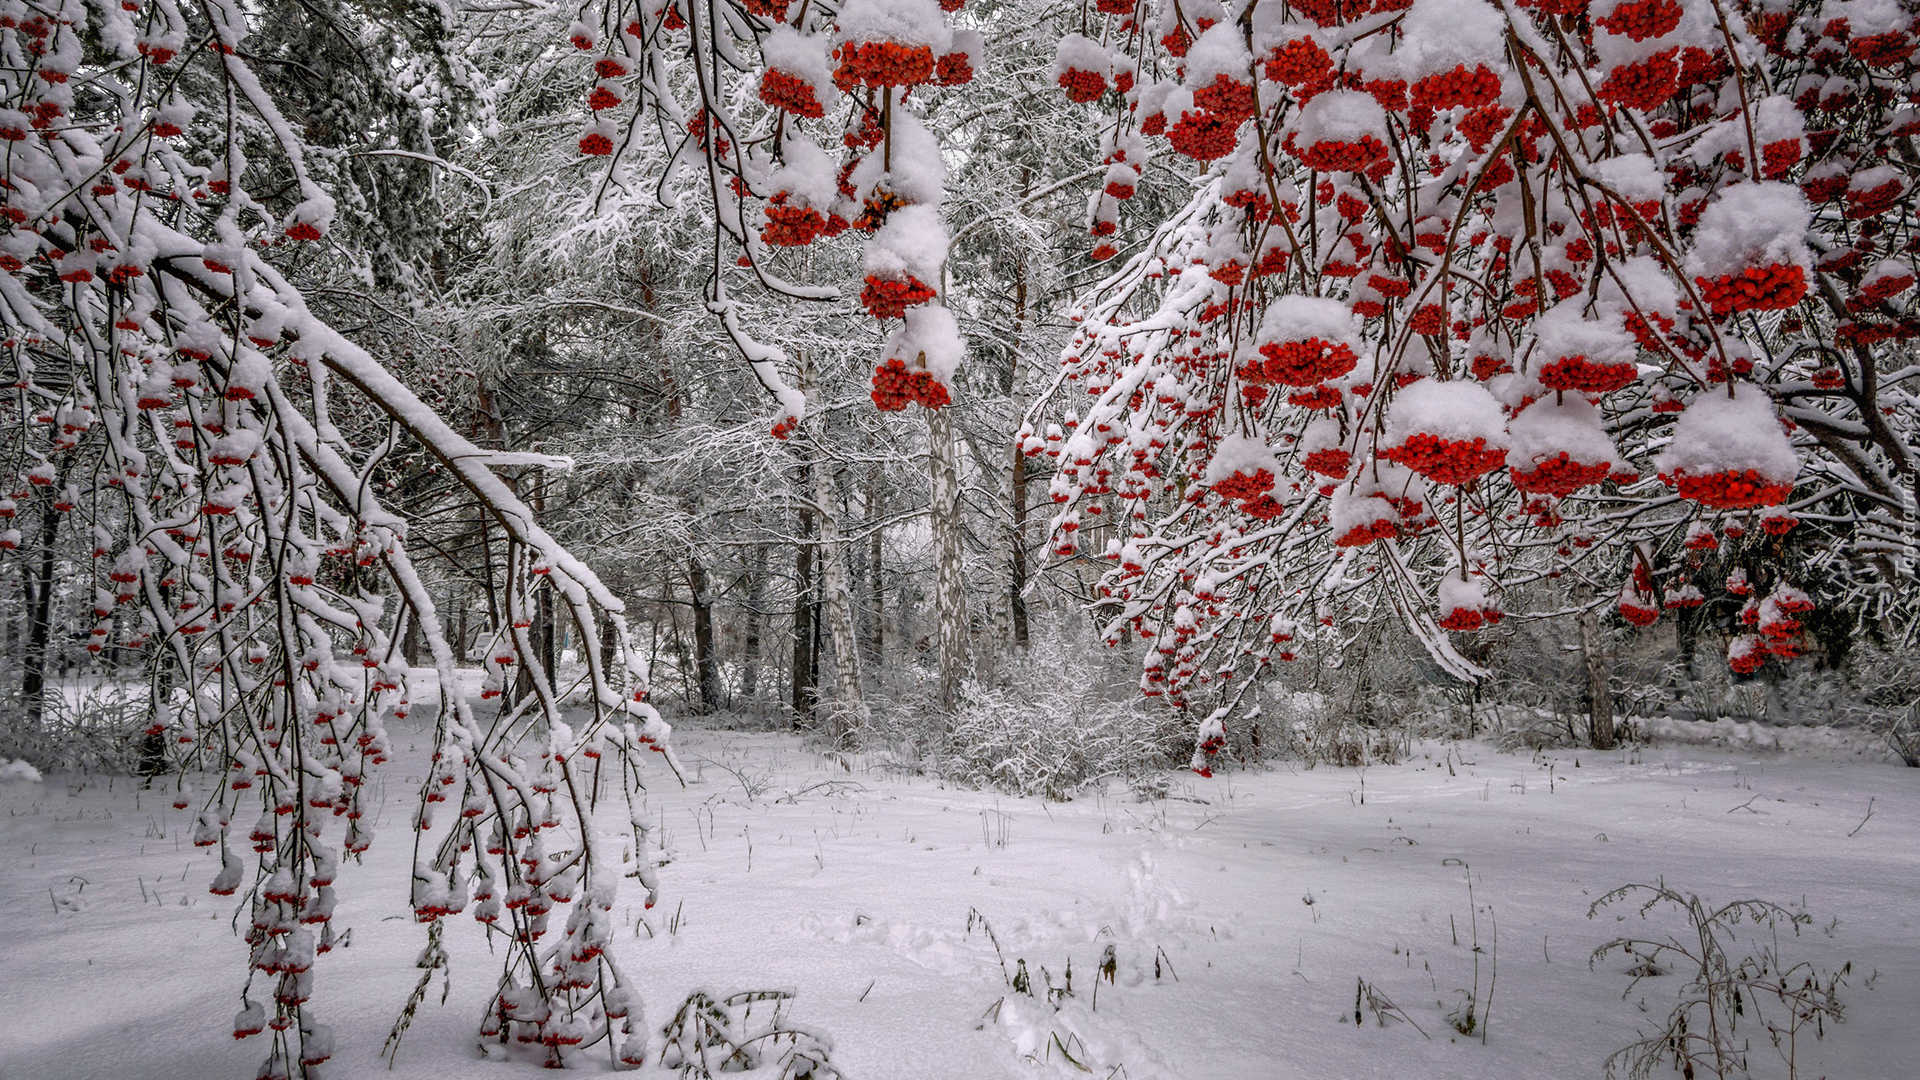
803	632
682	661
950	590
1017	478
543	615
410	643
1017	556
705	661
756	589
876	574
33	678
851	709
1599	696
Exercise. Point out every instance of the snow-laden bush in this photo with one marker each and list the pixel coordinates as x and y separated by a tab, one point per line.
1313	729
86	724
1049	721
1052	737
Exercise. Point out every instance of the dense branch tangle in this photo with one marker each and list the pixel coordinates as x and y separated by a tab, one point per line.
733	85
1471	295
177	406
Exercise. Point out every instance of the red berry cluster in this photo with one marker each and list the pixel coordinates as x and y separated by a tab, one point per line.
1558	476
1446	89
1777	158
889	298
1730	489
1637	609
1264	508
1882	50
1642	20
1226	97
881	63
1302	60
1579	373
1318	397
1875	200
1300	363
1331	461
894	388
1757	288
1428	319
1645	84
1445	461
1082	86
789	94
1382	528
953	69
1241	487
1334	155
791	226
1204	135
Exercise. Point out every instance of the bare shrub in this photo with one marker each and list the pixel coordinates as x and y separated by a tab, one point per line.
1703	1034
709	1037
1064	714
1052	738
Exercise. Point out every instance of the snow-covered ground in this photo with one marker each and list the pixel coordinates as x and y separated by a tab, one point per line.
1242	912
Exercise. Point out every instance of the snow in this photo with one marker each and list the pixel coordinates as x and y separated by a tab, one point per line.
1263	895
1750	224
1891	273
1634	177
906	22
1079	52
1866	18
19	771
1565	331
803	56
1443	34
806	173
1321	433
1220	50
1237	453
929	335
1341	116
1571	426
1456	411
913	241
1302	318
913	171
1864	180
1719	432
1647	287
1456	593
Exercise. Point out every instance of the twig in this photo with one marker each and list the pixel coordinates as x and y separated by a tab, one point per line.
1863	821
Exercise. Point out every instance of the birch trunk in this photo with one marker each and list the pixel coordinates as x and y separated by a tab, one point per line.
950	592
851	709
1599	696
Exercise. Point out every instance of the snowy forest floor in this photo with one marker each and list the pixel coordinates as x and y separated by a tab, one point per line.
1260	897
